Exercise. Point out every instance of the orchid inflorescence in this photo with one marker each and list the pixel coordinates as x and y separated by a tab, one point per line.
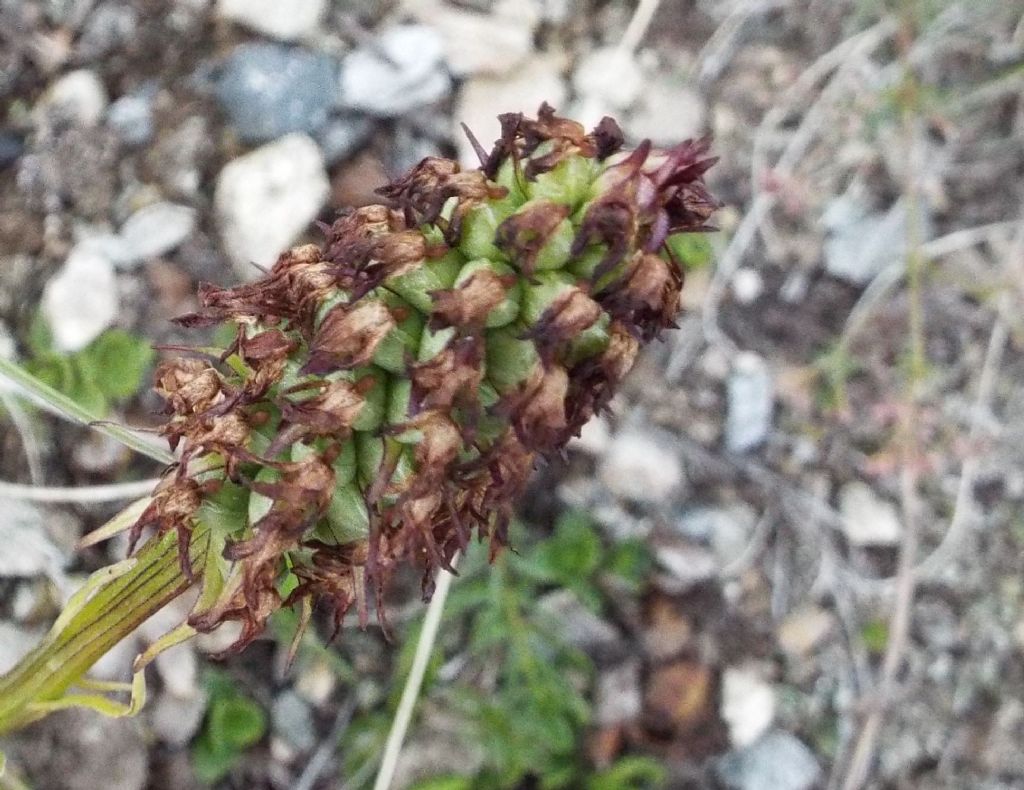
387	394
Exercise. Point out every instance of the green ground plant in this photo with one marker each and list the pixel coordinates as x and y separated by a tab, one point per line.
521	690
111	368
233	723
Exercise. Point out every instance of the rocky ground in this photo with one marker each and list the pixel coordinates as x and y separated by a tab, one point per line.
844	381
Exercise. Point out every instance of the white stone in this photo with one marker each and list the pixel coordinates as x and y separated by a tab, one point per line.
750	403
285	21
77	97
81	300
617	697
15	643
178	670
639	467
267	197
611	75
155	230
748	705
476	43
316	683
747	285
594	439
777	761
687	565
404	71
577	624
669	112
176	719
483	99
867	519
860	243
27	550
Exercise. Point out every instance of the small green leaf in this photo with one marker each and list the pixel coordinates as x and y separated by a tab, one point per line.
875	635
630	773
692	250
631	561
445	783
572	554
117	361
236	722
211	763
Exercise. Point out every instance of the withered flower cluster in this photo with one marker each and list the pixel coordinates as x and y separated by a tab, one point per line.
388	394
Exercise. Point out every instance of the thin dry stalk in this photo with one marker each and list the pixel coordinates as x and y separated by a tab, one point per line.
78	495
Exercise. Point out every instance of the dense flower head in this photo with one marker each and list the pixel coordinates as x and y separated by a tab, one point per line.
387	394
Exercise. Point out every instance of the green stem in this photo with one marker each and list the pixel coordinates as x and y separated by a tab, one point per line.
113	612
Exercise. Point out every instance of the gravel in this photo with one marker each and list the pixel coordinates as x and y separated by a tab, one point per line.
668	111
288	21
476	43
292	719
154	231
11	147
268	90
343	136
81	300
641	468
778	761
131	116
750	403
404	70
28	551
861	243
78	99
618	697
868	520
748	705
266	198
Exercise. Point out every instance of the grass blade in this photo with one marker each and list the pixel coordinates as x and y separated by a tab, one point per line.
63	406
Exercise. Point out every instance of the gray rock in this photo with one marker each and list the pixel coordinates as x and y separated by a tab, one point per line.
181	154
579	626
778	761
80	750
67	13
618	698
269	90
668	112
81	300
611	77
15	643
639	467
153	231
860	243
701	523
11	147
77	98
343	136
687	567
404	71
751	400
292	719
111	26
176	719
267	197
477	43
868	520
285	21
131	116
